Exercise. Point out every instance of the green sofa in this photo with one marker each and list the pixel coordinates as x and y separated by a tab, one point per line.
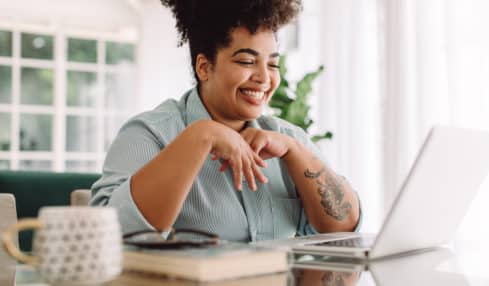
33	190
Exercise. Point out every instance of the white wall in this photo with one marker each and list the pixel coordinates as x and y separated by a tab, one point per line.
165	68
101	15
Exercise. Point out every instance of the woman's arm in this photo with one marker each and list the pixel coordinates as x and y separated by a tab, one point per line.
329	202
161	186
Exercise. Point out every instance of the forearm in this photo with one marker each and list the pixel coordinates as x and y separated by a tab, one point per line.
161	186
329	201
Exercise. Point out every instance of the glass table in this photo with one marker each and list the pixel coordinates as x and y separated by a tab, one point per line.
461	263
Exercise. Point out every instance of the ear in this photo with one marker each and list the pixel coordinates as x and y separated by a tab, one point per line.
202	67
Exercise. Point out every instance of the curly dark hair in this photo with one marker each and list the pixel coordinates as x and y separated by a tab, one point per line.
207	24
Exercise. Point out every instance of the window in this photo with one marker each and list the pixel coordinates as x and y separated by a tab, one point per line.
62	98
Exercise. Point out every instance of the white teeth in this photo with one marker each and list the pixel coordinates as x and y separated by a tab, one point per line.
252	93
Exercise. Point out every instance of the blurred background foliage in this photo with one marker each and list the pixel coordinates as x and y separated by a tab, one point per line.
291	102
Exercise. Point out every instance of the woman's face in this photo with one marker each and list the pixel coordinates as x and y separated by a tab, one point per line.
243	78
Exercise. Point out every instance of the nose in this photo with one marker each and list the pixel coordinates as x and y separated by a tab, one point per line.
261	74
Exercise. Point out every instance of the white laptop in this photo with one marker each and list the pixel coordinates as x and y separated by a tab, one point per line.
435	196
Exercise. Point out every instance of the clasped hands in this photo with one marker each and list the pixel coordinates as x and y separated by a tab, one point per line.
246	151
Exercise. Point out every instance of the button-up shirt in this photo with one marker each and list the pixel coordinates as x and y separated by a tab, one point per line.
213	204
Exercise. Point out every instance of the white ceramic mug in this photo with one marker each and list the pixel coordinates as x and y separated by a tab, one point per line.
72	244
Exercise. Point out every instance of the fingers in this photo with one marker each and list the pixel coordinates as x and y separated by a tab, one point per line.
236	167
259	175
247	166
258	143
259	161
242	155
248	170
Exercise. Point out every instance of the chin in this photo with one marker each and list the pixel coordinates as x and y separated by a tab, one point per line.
252	114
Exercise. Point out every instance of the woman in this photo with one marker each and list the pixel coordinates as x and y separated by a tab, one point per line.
210	161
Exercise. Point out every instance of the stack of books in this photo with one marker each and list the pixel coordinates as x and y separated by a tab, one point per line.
223	261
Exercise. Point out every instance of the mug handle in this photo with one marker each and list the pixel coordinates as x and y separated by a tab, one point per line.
8	242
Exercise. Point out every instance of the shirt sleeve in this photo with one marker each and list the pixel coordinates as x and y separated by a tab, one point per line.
134	146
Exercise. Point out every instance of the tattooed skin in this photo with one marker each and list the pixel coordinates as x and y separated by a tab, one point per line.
331	195
334	278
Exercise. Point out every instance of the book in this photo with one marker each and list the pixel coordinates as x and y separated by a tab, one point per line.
223	261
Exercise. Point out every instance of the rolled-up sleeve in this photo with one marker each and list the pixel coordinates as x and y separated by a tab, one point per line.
134	146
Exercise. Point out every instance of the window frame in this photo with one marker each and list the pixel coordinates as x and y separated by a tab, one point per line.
59	109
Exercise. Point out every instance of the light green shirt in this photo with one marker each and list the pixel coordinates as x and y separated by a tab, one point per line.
213	204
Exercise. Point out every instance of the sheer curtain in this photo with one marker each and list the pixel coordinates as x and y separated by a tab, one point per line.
395	68
351	100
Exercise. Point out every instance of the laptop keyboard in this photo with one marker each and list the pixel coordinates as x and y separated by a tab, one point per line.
362	242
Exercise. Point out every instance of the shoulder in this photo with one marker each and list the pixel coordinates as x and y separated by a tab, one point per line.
166	120
166	111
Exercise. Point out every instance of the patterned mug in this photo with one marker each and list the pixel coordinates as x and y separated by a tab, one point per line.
72	244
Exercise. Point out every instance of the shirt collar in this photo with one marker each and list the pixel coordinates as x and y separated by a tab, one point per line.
195	109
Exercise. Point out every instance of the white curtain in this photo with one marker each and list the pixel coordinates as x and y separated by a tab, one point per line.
351	100
394	69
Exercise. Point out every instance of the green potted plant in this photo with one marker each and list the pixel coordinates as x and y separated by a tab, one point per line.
291	104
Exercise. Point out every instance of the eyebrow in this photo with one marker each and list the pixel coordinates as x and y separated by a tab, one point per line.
253	53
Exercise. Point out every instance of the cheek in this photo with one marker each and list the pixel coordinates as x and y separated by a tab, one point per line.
275	79
235	77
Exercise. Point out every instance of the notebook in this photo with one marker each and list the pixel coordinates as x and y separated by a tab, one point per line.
445	177
226	260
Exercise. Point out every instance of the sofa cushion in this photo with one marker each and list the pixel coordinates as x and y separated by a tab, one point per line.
33	190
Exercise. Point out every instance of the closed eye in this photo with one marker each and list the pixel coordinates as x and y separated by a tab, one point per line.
245	62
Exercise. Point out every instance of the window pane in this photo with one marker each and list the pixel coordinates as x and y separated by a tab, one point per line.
5	43
4	131
80	50
112	124
36	86
5	84
4	165
81	166
81	133
81	88
34	165
120	91
116	53
36	132
37	46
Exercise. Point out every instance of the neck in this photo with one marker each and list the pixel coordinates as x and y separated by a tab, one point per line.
234	124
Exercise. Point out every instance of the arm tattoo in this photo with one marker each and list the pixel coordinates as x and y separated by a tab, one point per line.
313	175
332	195
334	278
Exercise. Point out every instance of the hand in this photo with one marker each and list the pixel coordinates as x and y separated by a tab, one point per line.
229	146
267	144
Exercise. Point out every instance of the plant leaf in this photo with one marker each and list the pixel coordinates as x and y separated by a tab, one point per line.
291	105
327	135
304	86
297	113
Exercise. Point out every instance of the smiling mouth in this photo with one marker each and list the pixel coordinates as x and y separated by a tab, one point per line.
258	95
